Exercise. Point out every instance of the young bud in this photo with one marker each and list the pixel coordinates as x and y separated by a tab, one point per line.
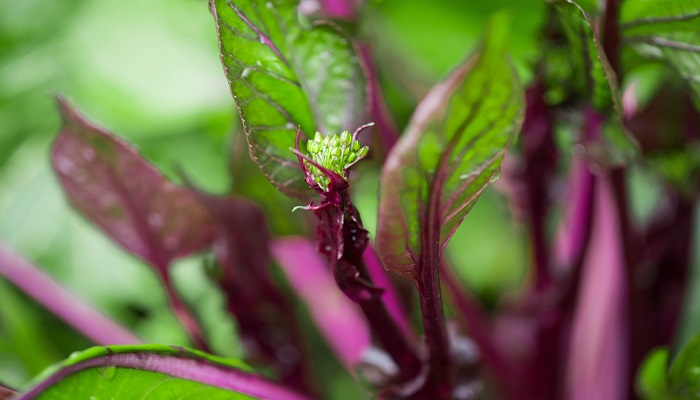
345	138
363	152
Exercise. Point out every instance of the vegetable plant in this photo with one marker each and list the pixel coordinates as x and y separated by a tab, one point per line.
612	90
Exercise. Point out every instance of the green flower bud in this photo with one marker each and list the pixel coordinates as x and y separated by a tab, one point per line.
345	138
363	152
333	152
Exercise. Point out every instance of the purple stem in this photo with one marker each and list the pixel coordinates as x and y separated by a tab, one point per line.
47	292
574	233
183	368
390	298
388	333
478	325
611	33
597	366
540	159
182	312
385	126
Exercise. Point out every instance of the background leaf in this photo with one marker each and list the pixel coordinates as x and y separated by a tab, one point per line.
651	378
129	199
666	30
684	377
450	151
284	76
156	371
575	66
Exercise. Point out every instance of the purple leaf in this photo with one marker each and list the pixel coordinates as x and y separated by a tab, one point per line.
129	199
47	292
266	323
338	319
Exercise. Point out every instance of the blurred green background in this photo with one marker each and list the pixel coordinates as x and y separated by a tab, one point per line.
150	72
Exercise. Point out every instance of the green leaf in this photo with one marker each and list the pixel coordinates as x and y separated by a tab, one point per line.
576	68
156	371
684	378
666	30
284	76
651	378
450	151
680	167
575	65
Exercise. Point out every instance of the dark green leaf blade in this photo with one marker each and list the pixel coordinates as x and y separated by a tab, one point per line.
451	150
285	76
666	30
156	371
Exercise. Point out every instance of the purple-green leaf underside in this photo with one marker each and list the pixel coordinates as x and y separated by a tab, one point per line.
128	198
156	371
284	76
450	151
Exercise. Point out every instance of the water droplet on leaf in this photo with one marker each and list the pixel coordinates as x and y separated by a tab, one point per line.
108	373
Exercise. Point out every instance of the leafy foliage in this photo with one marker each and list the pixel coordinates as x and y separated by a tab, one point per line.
574	69
283	76
604	285
666	30
451	150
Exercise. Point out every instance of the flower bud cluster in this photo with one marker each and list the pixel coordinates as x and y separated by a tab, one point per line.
334	152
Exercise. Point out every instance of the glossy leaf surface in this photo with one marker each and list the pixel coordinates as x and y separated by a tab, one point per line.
450	151
284	76
128	198
155	371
